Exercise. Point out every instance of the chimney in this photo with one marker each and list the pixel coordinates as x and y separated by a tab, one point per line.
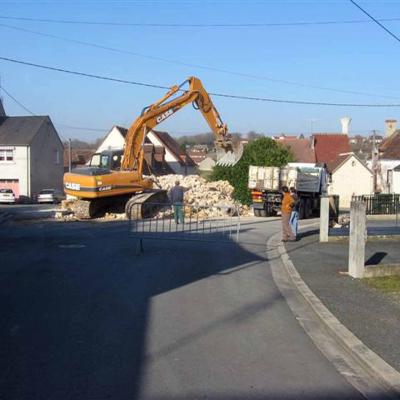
345	121
390	127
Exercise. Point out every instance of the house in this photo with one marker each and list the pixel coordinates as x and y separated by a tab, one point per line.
363	146
284	136
388	161
321	148
154	160
349	177
31	155
176	159
79	157
396	180
390	147
328	146
114	140
300	148
377	139
390	127
197	155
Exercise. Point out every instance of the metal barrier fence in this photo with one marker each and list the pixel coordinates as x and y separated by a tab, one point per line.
383	204
186	222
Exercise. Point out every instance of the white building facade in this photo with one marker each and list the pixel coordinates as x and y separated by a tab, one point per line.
31	156
350	178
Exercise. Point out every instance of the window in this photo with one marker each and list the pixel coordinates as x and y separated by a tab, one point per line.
6	155
57	157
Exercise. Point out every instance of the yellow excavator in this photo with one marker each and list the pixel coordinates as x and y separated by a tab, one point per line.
115	178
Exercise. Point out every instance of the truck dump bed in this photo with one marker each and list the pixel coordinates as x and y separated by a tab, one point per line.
304	179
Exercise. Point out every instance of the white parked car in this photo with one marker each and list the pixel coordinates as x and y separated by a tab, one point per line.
7	196
50	196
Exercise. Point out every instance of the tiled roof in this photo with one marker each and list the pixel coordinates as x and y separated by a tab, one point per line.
300	148
328	147
390	148
173	146
20	131
197	155
341	159
333	165
122	130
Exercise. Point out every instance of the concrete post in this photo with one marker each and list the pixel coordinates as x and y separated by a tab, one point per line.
324	219
357	239
69	156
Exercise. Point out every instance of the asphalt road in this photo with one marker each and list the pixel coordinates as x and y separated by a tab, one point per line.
84	317
24	212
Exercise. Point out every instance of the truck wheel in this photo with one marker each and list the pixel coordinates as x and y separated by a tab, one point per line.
263	213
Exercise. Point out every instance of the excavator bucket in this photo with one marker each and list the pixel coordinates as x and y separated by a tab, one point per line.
228	156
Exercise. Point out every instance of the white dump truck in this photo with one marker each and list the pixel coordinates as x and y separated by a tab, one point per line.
265	184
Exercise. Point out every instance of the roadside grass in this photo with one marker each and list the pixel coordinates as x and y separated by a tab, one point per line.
386	284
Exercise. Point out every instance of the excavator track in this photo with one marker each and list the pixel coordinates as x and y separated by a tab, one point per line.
146	205
139	206
88	209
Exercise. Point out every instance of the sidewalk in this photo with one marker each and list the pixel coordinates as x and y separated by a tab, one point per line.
372	316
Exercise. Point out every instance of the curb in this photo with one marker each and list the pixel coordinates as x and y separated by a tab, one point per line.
387	376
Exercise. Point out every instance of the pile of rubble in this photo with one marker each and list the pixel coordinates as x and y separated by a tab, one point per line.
65	212
203	199
208	199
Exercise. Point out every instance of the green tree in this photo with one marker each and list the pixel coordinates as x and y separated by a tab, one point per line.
261	152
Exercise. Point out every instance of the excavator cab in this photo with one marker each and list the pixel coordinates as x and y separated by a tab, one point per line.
110	159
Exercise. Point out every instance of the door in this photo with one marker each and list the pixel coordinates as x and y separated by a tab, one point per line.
12	184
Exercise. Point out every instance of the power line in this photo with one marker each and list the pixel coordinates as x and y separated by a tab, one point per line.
193	25
82	128
16	101
60	125
229	72
225	95
106	78
376	21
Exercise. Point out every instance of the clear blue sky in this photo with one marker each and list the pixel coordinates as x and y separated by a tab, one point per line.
353	57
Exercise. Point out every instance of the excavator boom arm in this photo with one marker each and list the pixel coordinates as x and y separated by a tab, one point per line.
164	108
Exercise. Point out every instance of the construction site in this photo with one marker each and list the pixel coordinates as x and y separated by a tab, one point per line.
199	199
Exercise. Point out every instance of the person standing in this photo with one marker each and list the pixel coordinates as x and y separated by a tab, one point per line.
176	197
294	216
286	211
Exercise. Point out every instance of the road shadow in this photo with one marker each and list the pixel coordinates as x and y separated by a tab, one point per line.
307	233
376	258
75	307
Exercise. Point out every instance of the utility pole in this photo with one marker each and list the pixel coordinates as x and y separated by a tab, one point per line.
69	156
312	121
375	162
